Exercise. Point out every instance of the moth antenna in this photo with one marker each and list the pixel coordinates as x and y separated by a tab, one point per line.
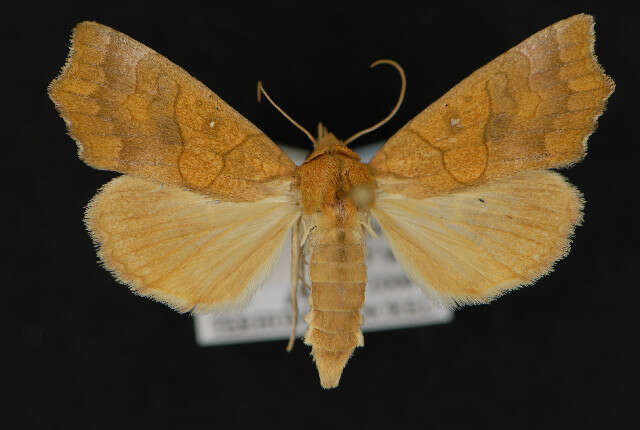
395	109
261	91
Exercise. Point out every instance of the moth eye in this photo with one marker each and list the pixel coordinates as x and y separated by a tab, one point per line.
362	195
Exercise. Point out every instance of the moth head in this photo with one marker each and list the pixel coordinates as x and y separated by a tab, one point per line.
328	143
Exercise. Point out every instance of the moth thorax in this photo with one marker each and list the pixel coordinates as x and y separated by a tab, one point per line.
362	196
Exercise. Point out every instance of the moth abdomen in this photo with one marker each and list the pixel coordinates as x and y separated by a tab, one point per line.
338	278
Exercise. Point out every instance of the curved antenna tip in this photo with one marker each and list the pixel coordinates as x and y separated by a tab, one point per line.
259	91
403	88
384	61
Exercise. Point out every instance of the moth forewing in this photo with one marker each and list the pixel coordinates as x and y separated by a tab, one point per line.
531	108
133	111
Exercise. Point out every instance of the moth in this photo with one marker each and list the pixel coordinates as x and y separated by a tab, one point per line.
463	192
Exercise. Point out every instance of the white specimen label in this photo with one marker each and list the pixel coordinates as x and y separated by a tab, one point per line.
391	300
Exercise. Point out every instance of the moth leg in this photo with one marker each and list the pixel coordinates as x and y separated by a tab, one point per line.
305	233
295	278
304	263
367	226
306	288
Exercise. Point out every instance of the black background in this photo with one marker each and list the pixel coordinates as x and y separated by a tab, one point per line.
83	352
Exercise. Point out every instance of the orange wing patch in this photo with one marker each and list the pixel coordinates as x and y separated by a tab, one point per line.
531	108
133	111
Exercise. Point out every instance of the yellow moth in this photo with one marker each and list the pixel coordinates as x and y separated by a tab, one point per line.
206	200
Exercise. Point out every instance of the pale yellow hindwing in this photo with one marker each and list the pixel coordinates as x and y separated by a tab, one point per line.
184	248
474	245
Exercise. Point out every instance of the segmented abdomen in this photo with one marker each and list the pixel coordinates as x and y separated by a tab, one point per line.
338	278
